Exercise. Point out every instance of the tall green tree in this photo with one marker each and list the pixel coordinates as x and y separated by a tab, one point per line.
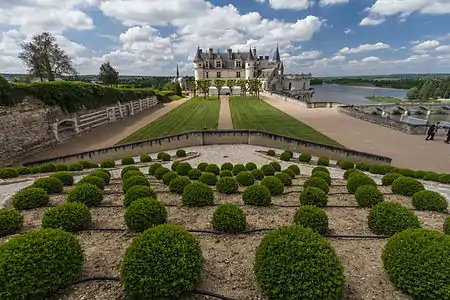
231	83
413	93
108	75
204	85
243	83
192	84
219	84
44	58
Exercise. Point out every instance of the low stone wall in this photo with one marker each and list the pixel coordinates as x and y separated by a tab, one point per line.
311	104
213	137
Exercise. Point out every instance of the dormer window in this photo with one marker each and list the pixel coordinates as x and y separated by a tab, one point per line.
238	64
218	64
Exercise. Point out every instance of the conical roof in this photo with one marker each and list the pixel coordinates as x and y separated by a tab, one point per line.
276	55
198	56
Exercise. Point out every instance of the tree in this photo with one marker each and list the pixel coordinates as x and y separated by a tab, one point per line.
219	84
178	89
231	83
204	85
242	83
413	93
44	58
438	93
108	75
254	86
192	84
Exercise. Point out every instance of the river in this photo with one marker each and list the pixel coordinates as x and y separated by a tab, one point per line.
352	95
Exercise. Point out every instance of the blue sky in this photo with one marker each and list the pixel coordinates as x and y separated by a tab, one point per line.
149	37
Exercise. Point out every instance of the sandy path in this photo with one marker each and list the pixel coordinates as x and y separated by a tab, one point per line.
225	121
408	151
108	135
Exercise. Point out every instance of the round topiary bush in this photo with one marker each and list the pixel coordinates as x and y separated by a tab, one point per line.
164	262
271	152
213	168
174	166
406	172
313	196
227	166
258	195
39	263
103	174
325	176
418	262
34	170
444	178
202	166
145	158
276	166
227	185
183	168
389	218
284	178
274	185
238	169
431	176
168	177
318	183
69	216
303	261
178	184
88	164
61	167
447	226
128	169
181	153
389	178
323	161
356	180
131	174
362	166
368	196
108	163
161	172
29	198
160	155
312	217
229	218
245	178
94	180
258	174
429	200
166	157
250	166
145	213
25	170
346	165
295	169
51	185
268	170
377	169
226	173
138	192
75	167
305	158
289	172
208	178
285	156
320	169
197	194
47	168
86	193
406	186
153	168
10	221
348	172
134	180
128	160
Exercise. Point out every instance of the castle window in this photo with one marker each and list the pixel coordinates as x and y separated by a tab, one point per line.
206	64
238	74
218	75
218	64
238	64
207	74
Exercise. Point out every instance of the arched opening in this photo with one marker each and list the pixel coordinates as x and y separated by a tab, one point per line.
290	85
66	129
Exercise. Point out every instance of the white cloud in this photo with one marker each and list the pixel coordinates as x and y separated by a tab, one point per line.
332	2
290	4
443	48
371	21
370	59
365	48
338	58
426	46
347	31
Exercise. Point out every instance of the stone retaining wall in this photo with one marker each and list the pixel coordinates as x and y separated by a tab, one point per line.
213	137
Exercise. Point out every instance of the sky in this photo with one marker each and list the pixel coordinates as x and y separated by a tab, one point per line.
150	37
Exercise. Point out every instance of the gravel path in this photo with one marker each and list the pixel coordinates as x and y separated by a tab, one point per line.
225	121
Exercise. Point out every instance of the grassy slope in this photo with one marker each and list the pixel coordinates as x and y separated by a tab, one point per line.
252	113
195	114
384	99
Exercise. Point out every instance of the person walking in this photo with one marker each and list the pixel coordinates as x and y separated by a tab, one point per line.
432	132
447	140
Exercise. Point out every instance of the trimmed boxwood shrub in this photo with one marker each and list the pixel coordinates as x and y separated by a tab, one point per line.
202	166
303	261
318	183
229	218
295	169
134	180
166	157
145	213
356	180
34	170
429	200
313	217
51	185
10	221
447	226
160	155
194	174
145	158
389	178
406	186
348	172
305	158
284	178
88	164
226	166
174	166
323	161
238	168
377	169
102	174
276	166
75	167
128	160
313	196
258	174
86	193
226	173
138	192
153	168
47	168
213	168
181	153
65	177
418	262
420	174
39	263
444	178
274	185
168	177
245	178
62	167
250	166
131	174
320	169
346	165
285	156
362	166
183	168
389	218
69	216
325	176
161	172
289	172
94	180
108	163
431	176
258	195
227	185
368	196
208	178
29	198
406	172
178	184
23	170
197	194
164	262
268	170
128	169
271	152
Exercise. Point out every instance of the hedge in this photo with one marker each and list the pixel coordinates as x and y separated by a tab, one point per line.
229	218
6	173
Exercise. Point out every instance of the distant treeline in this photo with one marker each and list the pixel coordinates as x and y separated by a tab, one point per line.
316	81
395	83
430	89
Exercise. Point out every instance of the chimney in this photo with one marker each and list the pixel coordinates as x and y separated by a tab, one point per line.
210	52
230	54
254	52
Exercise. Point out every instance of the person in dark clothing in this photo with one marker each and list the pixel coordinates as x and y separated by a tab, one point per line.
447	140
432	131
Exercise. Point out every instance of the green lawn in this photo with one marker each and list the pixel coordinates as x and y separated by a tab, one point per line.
253	113
384	99
195	114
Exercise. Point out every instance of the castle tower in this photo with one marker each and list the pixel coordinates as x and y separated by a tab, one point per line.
198	65
276	55
249	65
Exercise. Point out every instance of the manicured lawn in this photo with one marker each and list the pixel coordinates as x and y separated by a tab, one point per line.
384	99
195	114
253	113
